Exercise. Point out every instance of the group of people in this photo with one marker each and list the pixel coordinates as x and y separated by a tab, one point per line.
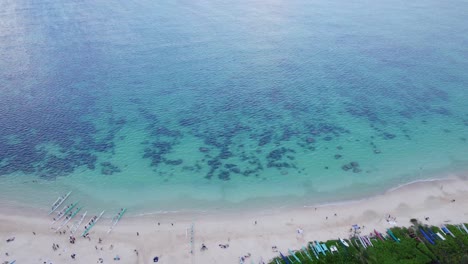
91	222
223	245
391	219
55	246
204	247
72	239
62	212
243	258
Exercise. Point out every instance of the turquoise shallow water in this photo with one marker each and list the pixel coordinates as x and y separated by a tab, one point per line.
194	105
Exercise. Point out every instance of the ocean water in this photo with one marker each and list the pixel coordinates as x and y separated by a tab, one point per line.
202	105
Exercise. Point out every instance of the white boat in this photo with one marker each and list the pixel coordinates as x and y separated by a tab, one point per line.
77	223
344	242
91	223
116	219
64	212
68	218
59	202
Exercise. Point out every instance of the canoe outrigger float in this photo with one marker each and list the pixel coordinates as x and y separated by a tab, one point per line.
64	212
77	223
59	202
91	223
68	218
116	219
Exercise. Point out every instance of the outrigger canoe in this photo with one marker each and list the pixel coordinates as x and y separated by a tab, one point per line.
116	219
91	223
59	202
68	218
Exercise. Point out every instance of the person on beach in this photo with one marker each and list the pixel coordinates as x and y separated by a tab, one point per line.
203	247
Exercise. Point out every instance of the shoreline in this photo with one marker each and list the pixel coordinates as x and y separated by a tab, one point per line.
429	198
293	202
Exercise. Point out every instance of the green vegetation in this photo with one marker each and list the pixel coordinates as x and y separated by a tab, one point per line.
412	248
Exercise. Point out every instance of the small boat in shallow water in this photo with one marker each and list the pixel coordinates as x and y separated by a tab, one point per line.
59	202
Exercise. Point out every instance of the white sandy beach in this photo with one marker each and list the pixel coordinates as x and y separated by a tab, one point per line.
171	243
